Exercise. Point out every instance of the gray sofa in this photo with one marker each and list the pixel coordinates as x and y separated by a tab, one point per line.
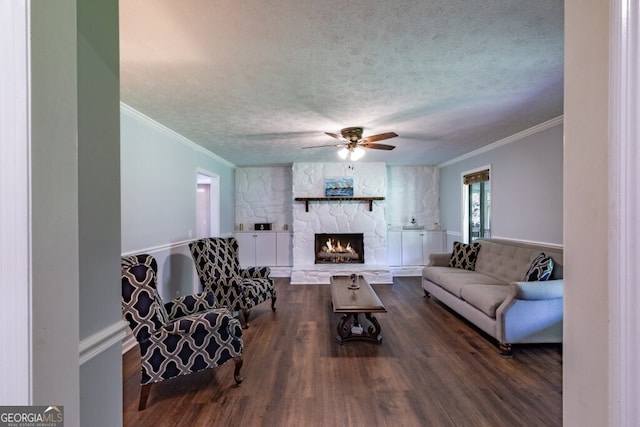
494	296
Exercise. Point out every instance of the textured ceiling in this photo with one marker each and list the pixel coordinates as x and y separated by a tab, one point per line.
254	81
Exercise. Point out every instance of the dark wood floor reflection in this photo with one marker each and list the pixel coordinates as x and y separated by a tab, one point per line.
432	369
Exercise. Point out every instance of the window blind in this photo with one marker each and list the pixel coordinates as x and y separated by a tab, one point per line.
475	177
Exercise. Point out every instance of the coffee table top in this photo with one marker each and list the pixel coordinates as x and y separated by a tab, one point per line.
362	300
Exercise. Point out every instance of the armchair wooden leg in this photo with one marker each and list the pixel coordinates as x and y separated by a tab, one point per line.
273	303
144	394
246	313
236	373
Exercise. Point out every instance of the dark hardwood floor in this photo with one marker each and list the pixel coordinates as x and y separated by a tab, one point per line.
432	369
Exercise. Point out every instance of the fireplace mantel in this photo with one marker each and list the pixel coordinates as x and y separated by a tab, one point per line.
306	200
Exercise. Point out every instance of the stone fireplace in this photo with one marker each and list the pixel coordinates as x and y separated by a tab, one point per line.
339	248
342	217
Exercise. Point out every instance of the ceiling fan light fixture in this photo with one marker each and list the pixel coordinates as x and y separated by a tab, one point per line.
357	153
343	153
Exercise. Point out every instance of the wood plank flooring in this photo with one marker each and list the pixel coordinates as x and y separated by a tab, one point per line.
432	369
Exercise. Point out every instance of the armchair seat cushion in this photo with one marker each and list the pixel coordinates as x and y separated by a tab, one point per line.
257	290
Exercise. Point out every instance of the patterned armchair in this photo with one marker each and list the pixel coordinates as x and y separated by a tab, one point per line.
237	289
186	335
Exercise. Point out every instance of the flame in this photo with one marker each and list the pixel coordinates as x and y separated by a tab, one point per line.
338	248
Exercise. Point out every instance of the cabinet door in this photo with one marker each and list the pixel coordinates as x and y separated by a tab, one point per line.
265	249
412	248
246	249
394	248
434	243
283	249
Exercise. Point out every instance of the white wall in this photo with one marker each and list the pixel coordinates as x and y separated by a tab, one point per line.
263	195
526	187
413	192
15	218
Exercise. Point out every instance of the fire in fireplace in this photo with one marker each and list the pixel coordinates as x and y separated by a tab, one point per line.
340	248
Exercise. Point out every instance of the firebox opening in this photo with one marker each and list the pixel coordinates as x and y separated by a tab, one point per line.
339	248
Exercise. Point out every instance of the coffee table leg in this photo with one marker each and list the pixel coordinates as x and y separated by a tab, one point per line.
371	333
374	330
344	327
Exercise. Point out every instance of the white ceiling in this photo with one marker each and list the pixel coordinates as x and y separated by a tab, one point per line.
254	81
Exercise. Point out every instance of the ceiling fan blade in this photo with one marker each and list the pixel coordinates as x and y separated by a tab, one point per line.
378	146
380	137
334	135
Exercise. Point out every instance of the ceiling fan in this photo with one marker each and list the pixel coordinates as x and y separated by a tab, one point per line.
353	142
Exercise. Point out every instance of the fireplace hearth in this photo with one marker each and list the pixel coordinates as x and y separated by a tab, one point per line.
339	248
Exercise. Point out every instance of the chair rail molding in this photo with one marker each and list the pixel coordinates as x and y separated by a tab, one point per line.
95	344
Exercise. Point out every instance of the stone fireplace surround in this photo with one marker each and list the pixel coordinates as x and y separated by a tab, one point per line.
370	180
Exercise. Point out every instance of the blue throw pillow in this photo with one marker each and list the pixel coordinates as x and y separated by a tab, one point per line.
540	269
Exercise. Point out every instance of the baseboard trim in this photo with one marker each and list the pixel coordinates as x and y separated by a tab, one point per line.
128	342
95	344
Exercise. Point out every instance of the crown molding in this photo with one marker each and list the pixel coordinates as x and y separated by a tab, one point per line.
515	137
132	112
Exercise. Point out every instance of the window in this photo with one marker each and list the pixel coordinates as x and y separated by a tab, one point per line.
476	204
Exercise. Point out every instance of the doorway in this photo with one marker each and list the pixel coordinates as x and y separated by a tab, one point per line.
207	205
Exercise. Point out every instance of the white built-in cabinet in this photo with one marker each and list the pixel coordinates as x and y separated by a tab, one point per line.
284	253
413	247
264	248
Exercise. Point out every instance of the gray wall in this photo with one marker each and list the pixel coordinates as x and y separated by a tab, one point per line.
159	172
526	188
54	209
74	203
98	83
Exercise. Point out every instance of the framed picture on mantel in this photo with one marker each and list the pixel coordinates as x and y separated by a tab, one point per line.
338	187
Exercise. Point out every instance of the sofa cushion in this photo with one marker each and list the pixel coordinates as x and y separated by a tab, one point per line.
540	269
464	255
454	279
486	298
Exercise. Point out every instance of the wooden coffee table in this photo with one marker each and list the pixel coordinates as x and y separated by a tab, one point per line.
353	302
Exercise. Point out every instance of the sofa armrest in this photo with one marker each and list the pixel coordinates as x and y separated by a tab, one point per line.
549	289
439	260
